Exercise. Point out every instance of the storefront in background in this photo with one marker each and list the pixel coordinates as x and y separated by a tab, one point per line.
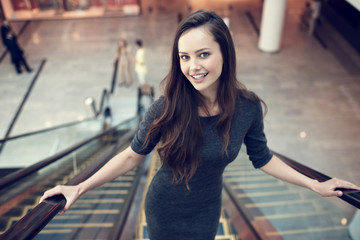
33	9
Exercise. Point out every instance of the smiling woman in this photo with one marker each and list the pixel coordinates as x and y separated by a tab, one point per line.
199	125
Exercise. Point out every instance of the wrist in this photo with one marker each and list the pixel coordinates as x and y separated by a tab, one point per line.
81	188
314	185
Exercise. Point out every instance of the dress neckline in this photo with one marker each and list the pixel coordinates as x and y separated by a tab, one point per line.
210	117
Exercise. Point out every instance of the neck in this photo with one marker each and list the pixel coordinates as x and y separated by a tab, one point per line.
211	108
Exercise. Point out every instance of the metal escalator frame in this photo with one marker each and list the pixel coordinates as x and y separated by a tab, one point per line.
257	231
32	223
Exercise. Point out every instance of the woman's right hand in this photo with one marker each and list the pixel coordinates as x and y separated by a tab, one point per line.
71	193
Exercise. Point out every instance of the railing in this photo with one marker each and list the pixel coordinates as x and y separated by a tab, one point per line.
104	98
350	196
66	125
53	132
32	223
22	173
24	150
263	201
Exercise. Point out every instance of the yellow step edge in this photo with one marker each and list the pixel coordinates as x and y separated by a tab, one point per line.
99	211
266	194
302	231
80	225
250	178
117	184
105	192
117	200
290	215
280	203
55	231
257	185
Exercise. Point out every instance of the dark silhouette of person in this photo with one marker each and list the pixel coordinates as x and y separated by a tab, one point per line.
5	28
17	54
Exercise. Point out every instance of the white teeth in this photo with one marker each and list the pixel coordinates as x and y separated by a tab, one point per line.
199	76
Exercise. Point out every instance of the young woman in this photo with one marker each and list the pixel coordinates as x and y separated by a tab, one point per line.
199	125
123	55
140	61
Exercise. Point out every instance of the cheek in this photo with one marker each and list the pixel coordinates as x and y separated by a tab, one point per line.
216	66
183	68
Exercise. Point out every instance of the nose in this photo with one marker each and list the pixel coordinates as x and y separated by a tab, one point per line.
194	65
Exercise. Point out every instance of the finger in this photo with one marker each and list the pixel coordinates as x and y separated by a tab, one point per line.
49	193
339	193
44	196
345	184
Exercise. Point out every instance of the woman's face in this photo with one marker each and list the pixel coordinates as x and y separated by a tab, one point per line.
201	60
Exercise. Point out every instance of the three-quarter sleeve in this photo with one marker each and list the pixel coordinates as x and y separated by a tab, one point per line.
255	140
138	142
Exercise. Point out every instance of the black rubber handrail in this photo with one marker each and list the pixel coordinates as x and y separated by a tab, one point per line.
105	95
22	173
349	196
33	222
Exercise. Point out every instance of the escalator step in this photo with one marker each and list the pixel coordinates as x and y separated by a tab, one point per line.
29	201
14	212
3	223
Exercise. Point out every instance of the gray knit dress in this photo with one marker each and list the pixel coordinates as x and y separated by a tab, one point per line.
174	213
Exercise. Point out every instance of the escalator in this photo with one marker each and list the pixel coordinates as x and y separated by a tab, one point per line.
286	211
255	205
95	212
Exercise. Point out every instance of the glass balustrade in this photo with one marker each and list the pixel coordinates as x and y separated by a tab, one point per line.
27	150
285	211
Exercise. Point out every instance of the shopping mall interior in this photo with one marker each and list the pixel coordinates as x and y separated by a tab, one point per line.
54	131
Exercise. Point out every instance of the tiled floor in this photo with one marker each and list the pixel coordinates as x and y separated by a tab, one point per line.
312	93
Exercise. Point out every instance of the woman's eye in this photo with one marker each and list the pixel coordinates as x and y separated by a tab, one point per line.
184	57
204	55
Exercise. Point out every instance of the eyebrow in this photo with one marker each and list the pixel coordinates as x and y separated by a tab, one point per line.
200	50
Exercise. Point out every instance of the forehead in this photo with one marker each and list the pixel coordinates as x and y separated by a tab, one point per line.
196	38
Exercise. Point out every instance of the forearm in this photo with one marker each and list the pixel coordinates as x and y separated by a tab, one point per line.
277	168
117	166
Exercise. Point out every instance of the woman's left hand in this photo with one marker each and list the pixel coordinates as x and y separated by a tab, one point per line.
331	187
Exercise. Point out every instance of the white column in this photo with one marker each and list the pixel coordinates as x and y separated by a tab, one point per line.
272	22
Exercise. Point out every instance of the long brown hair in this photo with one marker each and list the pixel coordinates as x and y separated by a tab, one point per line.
179	124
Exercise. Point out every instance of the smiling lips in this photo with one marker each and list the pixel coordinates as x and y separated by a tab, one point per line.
199	77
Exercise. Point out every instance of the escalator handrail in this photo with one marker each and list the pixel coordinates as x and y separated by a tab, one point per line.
105	95
33	222
46	129
20	174
258	232
347	193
